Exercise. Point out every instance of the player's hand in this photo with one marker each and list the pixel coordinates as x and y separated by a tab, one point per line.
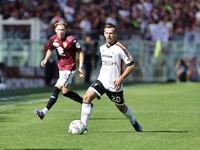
81	73
43	63
117	84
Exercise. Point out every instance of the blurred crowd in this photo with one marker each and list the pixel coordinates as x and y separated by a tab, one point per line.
138	16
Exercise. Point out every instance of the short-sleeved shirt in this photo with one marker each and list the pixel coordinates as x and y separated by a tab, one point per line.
113	59
66	51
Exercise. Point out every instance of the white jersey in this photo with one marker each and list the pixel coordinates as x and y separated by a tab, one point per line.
113	59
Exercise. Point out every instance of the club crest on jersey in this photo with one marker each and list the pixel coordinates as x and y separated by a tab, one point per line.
56	44
64	44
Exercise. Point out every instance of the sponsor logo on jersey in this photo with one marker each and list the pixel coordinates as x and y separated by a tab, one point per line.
64	44
108	56
108	63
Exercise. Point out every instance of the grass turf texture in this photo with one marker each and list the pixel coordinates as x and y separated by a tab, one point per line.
168	113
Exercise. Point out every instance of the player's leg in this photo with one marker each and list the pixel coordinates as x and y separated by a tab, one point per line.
118	99
126	111
70	94
63	77
50	103
65	81
96	90
54	97
188	73
178	74
86	106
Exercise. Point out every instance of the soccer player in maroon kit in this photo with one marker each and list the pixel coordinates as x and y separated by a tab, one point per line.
66	48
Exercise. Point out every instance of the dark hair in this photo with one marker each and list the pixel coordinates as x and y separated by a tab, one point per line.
110	25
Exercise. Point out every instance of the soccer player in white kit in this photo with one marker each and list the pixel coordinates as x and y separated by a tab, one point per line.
110	78
66	48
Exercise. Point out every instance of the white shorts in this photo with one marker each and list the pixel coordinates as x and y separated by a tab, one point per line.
65	77
2	86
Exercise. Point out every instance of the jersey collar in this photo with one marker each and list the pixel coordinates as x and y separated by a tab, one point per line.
111	45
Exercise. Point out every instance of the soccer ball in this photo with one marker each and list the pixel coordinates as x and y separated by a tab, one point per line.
76	127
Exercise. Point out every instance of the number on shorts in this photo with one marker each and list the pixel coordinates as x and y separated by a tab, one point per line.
116	99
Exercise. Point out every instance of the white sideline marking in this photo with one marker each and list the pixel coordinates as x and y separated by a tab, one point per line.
45	100
9	98
67	110
24	103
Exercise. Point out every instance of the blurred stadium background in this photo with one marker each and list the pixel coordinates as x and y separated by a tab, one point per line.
26	25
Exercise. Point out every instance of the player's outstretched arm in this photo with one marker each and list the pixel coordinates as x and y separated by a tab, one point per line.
81	60
48	55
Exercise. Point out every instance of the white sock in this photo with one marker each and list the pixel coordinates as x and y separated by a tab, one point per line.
129	115
85	113
45	110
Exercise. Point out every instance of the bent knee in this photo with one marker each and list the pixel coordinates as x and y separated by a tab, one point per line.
122	108
87	98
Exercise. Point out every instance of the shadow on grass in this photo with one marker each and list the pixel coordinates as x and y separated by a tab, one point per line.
8	121
5	119
167	131
18	92
141	132
132	130
108	119
11	111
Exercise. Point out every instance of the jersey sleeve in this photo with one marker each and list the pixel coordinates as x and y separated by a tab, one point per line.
77	46
50	44
127	58
125	55
74	43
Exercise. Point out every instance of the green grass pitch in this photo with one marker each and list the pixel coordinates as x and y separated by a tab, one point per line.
168	113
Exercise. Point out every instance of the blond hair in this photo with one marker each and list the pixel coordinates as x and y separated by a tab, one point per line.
60	23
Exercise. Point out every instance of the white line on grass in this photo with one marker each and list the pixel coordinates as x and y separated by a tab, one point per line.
45	100
26	103
67	110
9	98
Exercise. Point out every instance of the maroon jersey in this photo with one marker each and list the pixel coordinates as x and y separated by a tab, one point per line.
66	51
